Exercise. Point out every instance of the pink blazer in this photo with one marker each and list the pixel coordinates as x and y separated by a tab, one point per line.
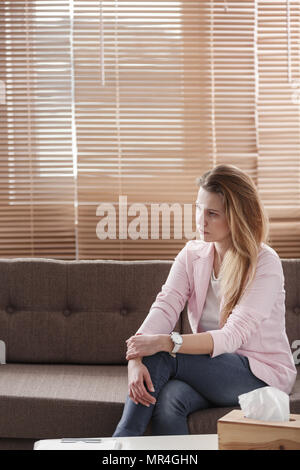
256	326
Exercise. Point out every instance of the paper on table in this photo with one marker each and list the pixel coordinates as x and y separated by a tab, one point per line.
81	444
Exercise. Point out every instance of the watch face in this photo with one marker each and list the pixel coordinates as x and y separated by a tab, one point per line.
177	338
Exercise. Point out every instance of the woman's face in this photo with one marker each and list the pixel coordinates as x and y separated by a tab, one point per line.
210	217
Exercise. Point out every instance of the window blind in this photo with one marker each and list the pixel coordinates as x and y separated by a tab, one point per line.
136	99
142	117
278	110
37	173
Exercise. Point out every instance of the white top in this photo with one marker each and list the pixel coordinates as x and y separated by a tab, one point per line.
210	316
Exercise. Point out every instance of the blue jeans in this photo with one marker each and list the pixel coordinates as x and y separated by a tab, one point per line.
185	384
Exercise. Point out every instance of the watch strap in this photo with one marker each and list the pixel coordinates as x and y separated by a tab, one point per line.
176	348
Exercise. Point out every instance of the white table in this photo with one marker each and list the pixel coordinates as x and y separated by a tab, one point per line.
189	442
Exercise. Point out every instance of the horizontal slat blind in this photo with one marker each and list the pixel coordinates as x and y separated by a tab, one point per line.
135	99
278	51
142	115
37	184
233	77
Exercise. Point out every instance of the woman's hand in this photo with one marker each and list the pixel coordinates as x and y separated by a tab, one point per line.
143	345
137	375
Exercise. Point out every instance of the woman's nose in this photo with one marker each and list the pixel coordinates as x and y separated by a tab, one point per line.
203	221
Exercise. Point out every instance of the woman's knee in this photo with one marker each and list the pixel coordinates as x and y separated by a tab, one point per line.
161	357
171	400
155	357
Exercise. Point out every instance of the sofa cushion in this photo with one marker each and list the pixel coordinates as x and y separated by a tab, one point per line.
75	312
295	395
52	401
291	270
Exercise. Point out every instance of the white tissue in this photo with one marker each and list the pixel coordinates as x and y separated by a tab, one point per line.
266	404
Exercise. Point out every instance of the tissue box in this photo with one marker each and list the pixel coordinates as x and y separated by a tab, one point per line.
235	432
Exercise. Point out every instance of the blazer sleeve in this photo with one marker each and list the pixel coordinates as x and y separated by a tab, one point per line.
165	310
254	307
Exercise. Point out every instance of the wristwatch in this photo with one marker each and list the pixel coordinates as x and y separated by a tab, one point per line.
177	340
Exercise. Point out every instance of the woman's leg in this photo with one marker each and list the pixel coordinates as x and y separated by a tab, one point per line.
220	380
174	403
135	418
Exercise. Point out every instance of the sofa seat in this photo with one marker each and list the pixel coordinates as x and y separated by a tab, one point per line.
48	401
42	401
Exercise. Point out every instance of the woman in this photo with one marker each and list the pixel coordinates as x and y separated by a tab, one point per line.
234	284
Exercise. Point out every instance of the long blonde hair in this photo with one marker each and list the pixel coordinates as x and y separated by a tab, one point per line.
249	227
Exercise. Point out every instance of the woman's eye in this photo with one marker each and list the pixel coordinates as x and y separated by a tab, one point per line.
210	213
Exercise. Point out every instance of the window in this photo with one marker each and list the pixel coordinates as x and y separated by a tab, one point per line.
134	100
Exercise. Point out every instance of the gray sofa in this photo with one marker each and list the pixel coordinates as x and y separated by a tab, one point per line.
65	323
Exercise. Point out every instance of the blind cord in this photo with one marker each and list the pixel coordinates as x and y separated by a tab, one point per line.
73	129
288	27
256	76
102	46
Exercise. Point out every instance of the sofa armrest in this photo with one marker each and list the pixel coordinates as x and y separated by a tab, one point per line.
2	352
